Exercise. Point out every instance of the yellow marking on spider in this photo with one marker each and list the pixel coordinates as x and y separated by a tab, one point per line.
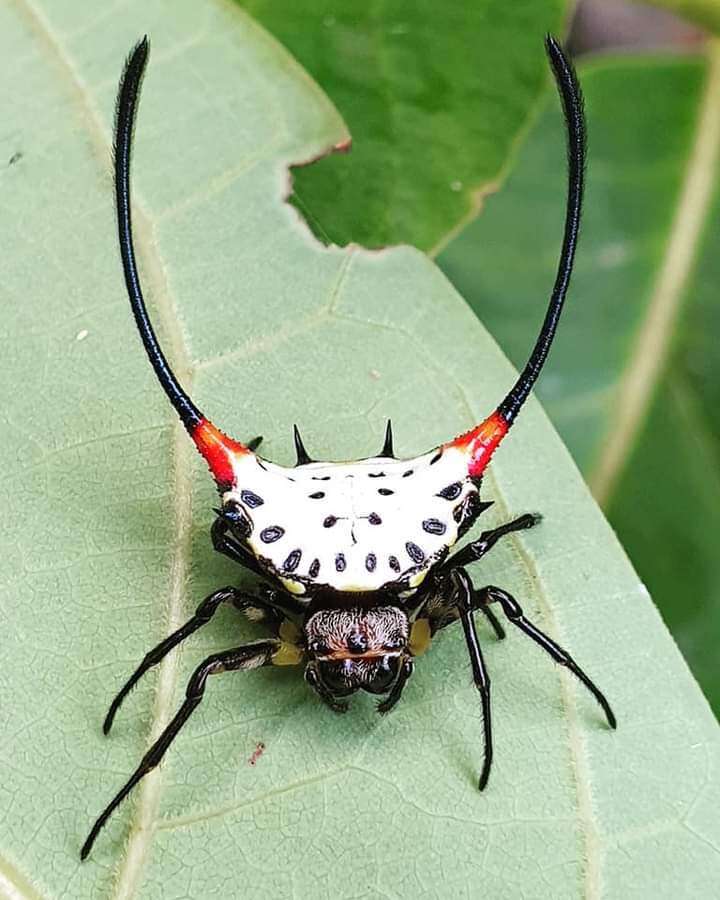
292	586
289	653
420	637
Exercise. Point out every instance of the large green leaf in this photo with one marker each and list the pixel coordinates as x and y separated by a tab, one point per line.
704	12
434	103
105	545
677	444
654	136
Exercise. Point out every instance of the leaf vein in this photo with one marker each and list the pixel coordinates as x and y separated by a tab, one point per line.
577	752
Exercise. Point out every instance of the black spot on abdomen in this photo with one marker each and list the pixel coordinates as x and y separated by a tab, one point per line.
370	562
434	526
251	499
394	563
414	552
314	569
292	561
451	492
271	534
340	562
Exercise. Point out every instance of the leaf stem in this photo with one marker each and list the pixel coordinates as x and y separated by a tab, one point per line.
654	339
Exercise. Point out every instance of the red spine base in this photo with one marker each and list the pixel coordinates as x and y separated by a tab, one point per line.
480	442
218	451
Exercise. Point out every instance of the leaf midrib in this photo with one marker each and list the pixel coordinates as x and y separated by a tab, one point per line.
146	802
14	885
577	751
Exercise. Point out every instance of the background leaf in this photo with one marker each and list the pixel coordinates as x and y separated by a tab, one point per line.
635	403
105	544
704	12
434	102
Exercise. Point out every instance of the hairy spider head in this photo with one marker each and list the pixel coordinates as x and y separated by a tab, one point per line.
357	648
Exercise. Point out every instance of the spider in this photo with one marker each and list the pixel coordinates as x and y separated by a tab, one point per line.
354	559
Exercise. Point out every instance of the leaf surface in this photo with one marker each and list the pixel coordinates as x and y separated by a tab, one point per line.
106	511
632	386
434	104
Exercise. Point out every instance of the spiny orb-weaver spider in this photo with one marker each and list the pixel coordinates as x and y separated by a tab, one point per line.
354	558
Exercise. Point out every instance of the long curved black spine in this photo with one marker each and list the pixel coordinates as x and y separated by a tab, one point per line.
127	101
572	103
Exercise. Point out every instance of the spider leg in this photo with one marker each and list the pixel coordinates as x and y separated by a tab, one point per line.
490	616
250	656
515	616
445	612
225	544
464	599
473	551
205	611
397	689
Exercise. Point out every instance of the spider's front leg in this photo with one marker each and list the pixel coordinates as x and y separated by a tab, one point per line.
242	600
250	656
226	543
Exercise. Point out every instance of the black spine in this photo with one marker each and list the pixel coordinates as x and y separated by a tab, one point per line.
127	101
572	103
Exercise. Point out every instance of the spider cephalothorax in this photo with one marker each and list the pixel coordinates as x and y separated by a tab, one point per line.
356	648
355	559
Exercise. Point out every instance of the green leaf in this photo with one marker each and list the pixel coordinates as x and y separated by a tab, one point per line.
106	511
632	384
677	440
434	104
704	12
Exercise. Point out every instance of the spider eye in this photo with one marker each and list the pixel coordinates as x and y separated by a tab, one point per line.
385	671
357	642
340	678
